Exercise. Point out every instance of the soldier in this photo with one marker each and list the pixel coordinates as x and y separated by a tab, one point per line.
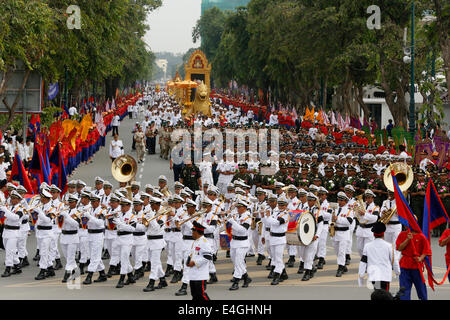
210	222
23	231
139	138
58	206
190	176
111	240
393	227
243	175
366	216
83	206
258	214
326	213
139	240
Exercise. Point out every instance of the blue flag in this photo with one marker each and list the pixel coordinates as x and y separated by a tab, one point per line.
53	90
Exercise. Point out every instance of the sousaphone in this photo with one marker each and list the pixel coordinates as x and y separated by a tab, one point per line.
124	169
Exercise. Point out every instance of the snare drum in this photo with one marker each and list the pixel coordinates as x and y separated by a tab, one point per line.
224	241
301	229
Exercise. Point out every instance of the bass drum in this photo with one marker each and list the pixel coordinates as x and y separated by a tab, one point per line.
304	232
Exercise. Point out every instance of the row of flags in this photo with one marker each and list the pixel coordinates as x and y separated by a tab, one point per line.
433	216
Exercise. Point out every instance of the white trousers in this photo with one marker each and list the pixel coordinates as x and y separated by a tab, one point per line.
156	270
84	249
361	242
176	250
137	252
11	256
340	248
44	252
69	251
309	253
322	246
95	252
277	257
238	257
125	264
348	250
113	247
54	249
22	244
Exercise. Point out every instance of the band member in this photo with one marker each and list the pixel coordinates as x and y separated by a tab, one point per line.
111	239
156	242
326	214
96	229
414	247
176	239
44	235
84	206
126	224
197	263
367	216
271	209
139	240
350	191
393	227
258	214
240	223
58	205
278	221
186	230
69	239
378	260
210	221
302	194
11	231
24	229
342	218
311	249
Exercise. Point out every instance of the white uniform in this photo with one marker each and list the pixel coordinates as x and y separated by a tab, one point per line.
69	239
199	248
11	233
326	212
256	238
342	236
83	234
116	148
139	241
210	222
278	224
54	251
96	228
23	233
156	242
393	227
239	243
44	235
311	249
352	227
364	232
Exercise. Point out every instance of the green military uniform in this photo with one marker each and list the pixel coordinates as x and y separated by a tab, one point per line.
244	176
190	175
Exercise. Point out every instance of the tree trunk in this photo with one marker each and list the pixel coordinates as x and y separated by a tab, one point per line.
360	99
444	40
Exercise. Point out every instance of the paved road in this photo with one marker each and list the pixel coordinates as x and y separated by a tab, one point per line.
324	286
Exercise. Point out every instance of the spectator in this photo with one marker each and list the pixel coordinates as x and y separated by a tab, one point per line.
115	123
389	128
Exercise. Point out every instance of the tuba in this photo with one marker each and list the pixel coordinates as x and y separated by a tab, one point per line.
359	206
405	176
124	169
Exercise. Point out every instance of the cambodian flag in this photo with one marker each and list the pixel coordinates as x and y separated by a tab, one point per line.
37	166
18	173
57	162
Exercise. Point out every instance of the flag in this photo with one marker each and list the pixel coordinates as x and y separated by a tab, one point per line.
53	90
434	214
37	166
18	173
58	167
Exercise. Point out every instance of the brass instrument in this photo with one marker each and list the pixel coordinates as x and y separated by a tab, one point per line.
359	207
124	169
165	191
161	212
332	231
195	215
405	176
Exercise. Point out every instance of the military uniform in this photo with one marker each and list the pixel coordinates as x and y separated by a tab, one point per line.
139	138
190	175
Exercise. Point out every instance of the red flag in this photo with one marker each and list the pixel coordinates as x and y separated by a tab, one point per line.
18	173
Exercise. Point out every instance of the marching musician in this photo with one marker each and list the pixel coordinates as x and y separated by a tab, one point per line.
278	221
96	228
393	227
302	194
197	263
378	260
210	221
99	182
139	240
367	217
218	206
343	218
175	244
111	240
240	223
156	243
311	249
84	205
71	189
126	224
13	219
44	235
69	239
294	204
258	214
186	231
58	205
350	191
146	208
326	214
270	210
24	229
107	189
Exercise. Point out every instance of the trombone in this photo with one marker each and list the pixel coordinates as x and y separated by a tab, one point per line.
195	215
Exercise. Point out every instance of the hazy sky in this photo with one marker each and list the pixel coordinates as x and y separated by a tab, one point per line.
171	26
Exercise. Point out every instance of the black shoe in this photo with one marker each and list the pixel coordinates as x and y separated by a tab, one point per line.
284	275
270	276
81	266
227	255
7	272
147	266
16	269
121	283
169	270
214	257
88	279
249	255
348	259
58	264
260	259
25	262
150	287
307	275
102	277
50	272
111	271
182	291
106	255
276	279
41	275
212	278
235	285
176	277
162	283
247	280
344	269
301	268
321	263
66	276
340	271
116	271
36	256
291	261
268	267
130	279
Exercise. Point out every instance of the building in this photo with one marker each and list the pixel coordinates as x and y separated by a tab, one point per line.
223	4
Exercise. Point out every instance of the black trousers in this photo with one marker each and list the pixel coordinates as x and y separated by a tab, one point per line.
198	290
383	285
176	172
115	130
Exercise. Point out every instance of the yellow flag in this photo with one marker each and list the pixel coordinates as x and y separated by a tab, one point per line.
86	123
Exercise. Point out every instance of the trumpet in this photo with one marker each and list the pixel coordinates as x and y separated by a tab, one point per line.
195	215
161	212
332	231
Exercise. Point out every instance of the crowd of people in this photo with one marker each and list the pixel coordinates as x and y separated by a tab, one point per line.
228	204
